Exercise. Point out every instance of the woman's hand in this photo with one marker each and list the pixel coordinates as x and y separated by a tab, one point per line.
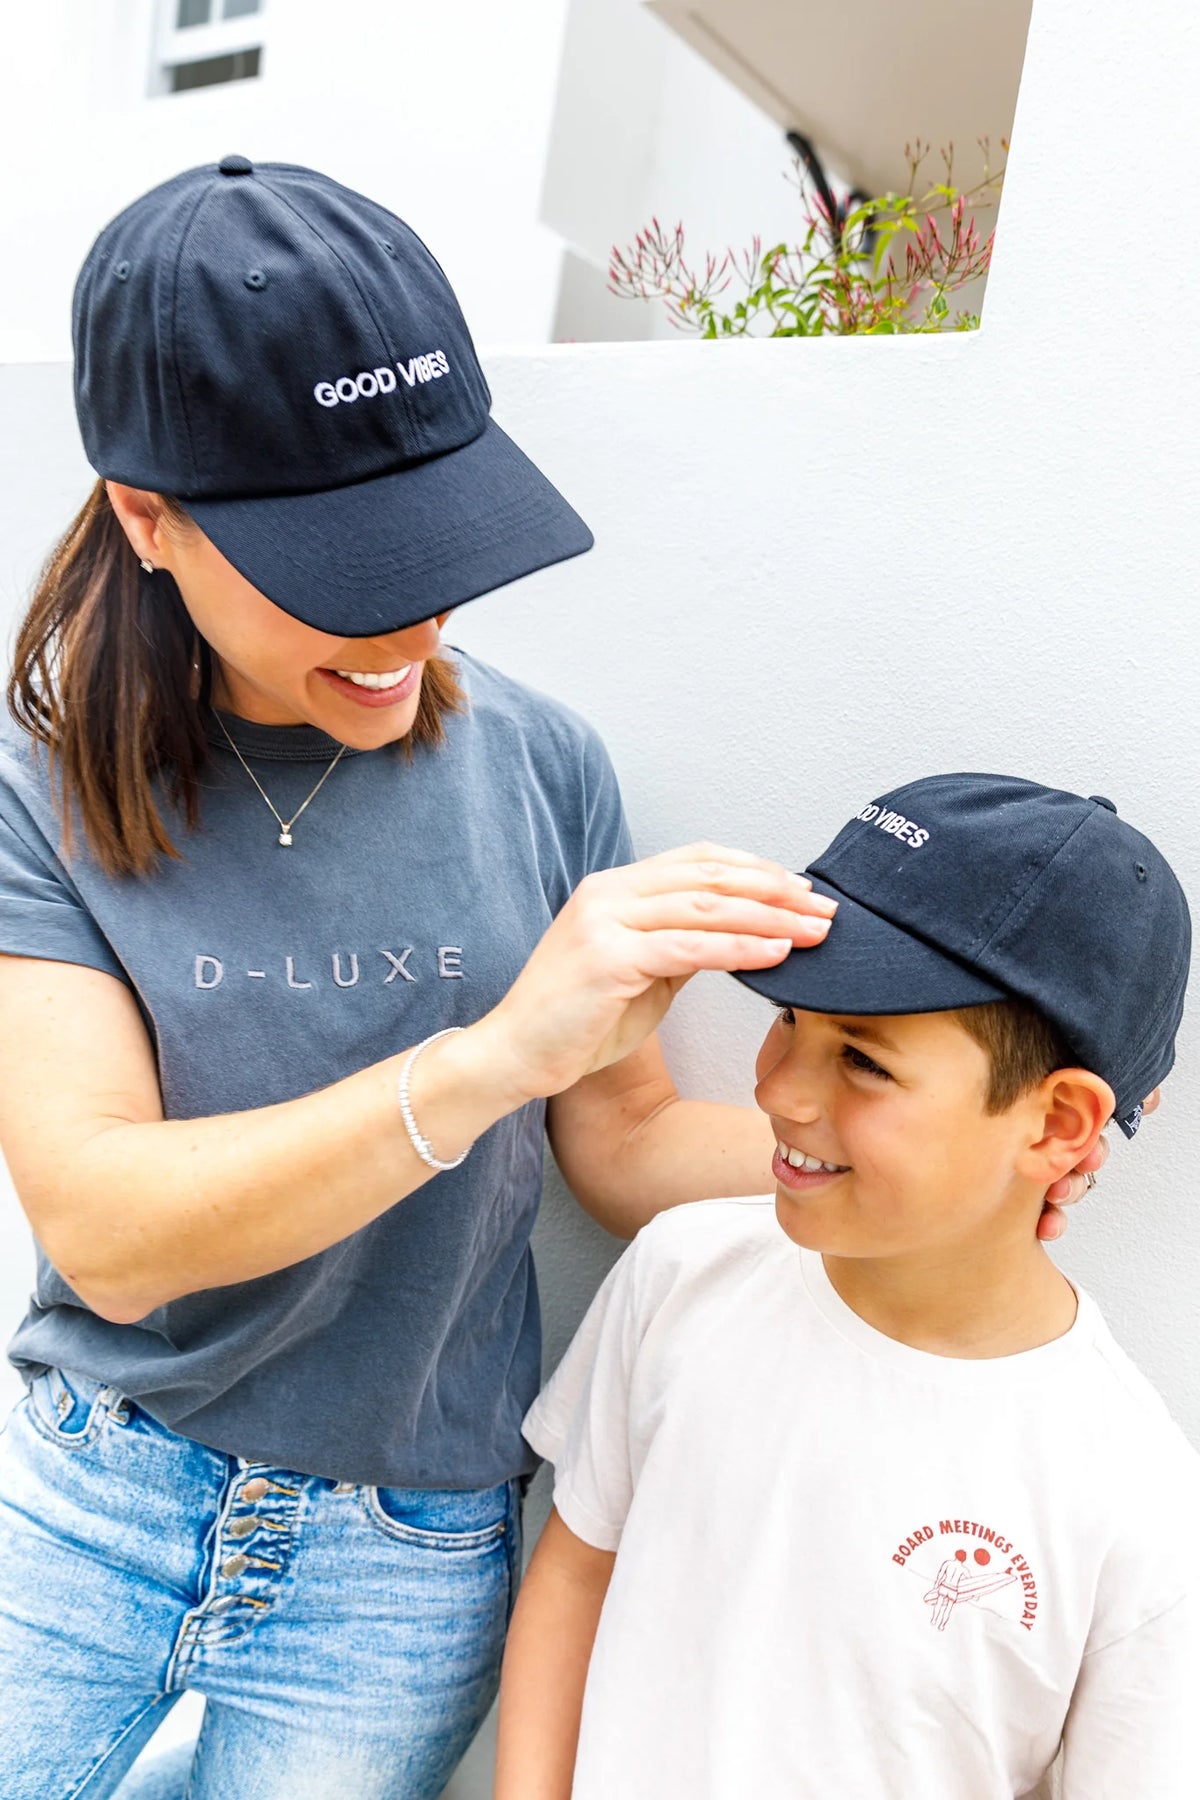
1072	1187
628	939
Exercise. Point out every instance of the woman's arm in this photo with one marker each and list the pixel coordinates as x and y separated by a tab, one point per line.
546	1663
134	1210
628	1147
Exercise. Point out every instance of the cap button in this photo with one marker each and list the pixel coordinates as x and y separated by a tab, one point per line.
1100	800
235	165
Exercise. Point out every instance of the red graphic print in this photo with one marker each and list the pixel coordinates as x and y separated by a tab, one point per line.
988	1573
954	1585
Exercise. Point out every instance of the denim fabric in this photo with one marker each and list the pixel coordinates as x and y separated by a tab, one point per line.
347	1638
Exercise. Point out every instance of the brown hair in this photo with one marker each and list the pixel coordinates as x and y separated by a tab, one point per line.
103	677
1022	1046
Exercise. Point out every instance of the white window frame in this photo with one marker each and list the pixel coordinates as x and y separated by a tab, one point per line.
175	44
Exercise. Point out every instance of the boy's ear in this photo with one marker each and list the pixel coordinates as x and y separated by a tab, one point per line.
1070	1109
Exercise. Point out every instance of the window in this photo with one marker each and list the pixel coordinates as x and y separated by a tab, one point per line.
205	43
200	12
214	69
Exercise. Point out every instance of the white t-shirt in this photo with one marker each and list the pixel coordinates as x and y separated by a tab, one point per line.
850	1570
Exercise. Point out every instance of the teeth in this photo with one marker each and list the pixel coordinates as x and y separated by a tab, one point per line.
374	681
799	1160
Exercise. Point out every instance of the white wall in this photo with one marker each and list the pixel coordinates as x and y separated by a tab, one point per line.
441	113
823	568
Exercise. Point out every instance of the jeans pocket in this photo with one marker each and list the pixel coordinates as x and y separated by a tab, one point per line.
444	1519
70	1410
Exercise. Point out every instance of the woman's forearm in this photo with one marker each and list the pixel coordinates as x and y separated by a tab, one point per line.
151	1211
697	1150
628	1163
546	1663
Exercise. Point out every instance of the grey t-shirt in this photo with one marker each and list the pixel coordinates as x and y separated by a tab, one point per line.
410	900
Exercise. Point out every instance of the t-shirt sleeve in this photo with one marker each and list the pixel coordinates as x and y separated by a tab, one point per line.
1133	1729
41	914
580	1421
607	840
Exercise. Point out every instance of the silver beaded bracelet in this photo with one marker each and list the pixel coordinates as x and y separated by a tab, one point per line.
421	1145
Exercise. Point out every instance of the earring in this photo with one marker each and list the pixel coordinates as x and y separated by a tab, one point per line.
148	566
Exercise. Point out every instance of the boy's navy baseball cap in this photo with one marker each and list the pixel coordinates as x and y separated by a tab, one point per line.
962	889
287	359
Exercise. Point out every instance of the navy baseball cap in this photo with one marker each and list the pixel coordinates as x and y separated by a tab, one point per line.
962	889
287	359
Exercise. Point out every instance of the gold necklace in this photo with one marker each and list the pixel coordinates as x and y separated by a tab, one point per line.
285	825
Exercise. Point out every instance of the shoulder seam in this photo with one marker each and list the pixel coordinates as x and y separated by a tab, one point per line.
1163	1613
1145	1400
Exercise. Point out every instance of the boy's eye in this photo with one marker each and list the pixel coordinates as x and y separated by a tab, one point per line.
858	1059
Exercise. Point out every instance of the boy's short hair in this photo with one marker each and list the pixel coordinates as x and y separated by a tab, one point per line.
1022	1047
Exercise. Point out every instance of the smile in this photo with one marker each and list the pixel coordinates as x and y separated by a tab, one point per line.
799	1160
374	688
391	679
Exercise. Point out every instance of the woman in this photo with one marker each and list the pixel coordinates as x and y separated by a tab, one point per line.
310	929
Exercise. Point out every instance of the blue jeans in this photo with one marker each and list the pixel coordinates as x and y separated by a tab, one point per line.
347	1639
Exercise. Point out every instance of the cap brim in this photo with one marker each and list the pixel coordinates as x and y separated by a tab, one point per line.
868	965
382	554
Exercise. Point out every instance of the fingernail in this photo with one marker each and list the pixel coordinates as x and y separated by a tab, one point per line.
817	928
821	903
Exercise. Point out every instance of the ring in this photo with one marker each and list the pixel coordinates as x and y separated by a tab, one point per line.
1089	1182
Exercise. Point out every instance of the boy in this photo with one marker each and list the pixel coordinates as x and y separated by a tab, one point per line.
887	1516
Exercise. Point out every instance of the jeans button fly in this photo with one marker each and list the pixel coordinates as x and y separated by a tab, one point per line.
233	1565
254	1490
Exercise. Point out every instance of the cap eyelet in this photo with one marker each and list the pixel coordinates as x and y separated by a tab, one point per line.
255	279
1141	871
122	271
387	244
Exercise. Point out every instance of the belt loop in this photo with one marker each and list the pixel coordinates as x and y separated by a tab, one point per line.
115	1403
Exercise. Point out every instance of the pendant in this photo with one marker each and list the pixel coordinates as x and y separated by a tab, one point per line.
285	837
